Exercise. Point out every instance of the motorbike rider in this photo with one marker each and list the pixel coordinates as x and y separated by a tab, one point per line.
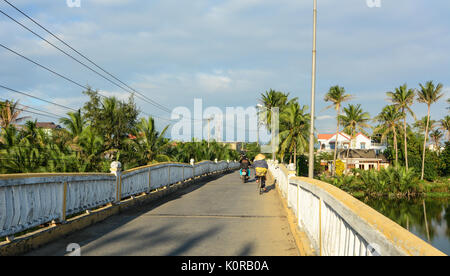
245	163
261	168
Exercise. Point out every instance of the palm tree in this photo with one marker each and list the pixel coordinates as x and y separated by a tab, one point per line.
403	98
295	124
150	142
92	148
445	126
9	114
337	96
9	138
428	94
274	99
421	124
75	123
354	119
389	120
436	136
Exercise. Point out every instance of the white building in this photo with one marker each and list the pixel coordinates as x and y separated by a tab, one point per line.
360	141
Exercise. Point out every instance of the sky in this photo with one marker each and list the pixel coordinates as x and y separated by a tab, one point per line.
228	52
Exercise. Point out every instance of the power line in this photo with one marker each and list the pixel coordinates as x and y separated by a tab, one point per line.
38	110
42	66
48	69
64	52
64	77
37	98
40	114
143	97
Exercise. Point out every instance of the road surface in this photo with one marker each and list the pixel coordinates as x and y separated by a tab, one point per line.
222	217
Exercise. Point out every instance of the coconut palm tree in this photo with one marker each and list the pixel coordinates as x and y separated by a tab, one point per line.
354	119
436	136
9	114
75	124
92	149
150	142
295	124
389	120
421	124
274	99
337	96
403	98
428	94
445	126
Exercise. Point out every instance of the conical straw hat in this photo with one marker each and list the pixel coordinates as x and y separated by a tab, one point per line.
260	157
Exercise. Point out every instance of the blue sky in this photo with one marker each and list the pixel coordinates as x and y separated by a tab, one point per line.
229	52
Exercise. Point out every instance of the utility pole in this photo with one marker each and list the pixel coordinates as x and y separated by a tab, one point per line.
313	91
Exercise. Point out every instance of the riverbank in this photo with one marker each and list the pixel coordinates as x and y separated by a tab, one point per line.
390	183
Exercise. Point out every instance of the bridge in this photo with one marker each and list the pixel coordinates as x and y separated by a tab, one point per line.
200	209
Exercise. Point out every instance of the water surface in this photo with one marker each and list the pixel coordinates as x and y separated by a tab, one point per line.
410	215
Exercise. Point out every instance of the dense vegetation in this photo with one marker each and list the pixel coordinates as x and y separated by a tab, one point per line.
416	169
104	130
107	129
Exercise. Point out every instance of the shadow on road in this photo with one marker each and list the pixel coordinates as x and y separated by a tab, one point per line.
91	238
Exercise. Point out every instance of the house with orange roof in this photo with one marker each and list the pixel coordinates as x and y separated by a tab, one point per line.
363	152
341	140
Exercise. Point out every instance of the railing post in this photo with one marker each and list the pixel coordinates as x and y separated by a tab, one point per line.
193	168
169	174
216	166
63	217
291	173
149	179
115	169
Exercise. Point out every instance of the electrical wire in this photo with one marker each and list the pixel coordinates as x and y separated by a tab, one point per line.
38	110
141	96
37	98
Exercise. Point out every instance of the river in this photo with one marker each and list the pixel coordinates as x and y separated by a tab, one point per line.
410	215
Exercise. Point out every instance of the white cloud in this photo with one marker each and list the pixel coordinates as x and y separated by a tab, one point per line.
229	52
213	83
325	117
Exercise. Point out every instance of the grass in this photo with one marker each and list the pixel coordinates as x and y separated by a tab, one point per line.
438	188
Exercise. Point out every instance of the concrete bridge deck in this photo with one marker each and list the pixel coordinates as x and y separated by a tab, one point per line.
222	217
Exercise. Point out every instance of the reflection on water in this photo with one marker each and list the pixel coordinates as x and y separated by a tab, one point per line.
411	214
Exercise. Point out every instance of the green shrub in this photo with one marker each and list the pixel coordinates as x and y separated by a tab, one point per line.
395	181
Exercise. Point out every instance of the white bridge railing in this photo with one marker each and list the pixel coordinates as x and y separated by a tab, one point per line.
30	200
338	224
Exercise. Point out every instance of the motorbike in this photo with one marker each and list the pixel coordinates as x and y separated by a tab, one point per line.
261	179
245	175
